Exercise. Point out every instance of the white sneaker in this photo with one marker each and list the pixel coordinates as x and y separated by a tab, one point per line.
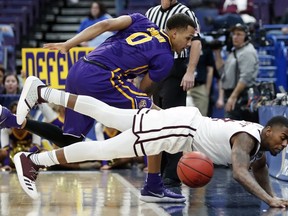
29	97
27	173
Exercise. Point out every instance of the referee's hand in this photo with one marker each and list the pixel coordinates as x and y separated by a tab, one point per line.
187	81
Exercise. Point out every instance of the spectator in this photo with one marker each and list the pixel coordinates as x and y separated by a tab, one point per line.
7	34
11	84
97	13
238	73
231	13
2	74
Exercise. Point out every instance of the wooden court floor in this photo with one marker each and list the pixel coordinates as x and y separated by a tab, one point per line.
109	193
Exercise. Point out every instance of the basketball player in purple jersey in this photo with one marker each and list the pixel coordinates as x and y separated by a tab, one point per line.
139	48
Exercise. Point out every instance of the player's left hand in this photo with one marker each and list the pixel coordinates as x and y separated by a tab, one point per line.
57	46
187	81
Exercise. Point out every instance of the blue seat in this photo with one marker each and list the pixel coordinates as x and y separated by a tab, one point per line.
279	7
33	6
262	10
15	23
6	100
22	13
201	13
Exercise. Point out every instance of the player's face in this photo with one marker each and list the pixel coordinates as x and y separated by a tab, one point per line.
182	39
276	139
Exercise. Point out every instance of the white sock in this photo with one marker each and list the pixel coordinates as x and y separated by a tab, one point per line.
55	96
47	158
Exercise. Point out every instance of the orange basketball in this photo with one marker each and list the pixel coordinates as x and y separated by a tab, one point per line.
195	169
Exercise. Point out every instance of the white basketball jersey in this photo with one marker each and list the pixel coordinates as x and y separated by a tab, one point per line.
185	129
213	137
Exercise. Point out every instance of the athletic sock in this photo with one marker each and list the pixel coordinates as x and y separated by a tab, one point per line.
46	159
55	96
154	182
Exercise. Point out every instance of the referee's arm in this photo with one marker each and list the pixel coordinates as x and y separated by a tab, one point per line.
188	80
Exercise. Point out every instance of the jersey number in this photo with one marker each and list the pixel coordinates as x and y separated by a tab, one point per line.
132	39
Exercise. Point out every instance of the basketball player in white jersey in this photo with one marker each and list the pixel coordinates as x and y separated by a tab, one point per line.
148	132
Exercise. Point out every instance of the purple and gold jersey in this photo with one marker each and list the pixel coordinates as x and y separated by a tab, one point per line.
137	49
105	72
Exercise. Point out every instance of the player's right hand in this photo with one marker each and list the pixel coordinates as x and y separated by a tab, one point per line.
277	202
57	46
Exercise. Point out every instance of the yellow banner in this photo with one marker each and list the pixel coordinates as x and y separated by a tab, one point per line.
51	66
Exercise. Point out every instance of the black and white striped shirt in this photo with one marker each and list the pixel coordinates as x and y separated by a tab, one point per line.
159	17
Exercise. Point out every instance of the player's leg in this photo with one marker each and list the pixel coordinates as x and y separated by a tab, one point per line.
42	129
94	150
172	96
120	119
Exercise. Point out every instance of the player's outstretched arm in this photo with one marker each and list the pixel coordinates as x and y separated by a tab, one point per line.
242	145
91	32
261	174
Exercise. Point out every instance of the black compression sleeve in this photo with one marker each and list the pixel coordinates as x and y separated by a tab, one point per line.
51	133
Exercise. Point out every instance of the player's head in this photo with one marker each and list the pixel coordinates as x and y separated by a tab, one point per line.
180	29
275	135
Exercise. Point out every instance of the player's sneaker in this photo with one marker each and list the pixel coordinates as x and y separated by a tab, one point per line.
27	173
7	119
163	196
30	95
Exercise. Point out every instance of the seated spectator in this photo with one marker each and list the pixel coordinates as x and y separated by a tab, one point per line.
2	74
14	140
6	31
11	84
233	12
97	13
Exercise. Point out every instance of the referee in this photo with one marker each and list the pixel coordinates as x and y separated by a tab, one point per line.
172	91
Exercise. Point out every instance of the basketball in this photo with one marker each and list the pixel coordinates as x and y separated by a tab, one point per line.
195	169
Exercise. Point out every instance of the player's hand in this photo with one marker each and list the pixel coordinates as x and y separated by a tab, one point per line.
187	81
57	46
277	202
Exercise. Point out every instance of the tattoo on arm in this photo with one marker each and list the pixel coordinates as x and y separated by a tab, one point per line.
242	145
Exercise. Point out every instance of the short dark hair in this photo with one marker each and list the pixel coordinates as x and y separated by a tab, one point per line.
180	20
278	120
